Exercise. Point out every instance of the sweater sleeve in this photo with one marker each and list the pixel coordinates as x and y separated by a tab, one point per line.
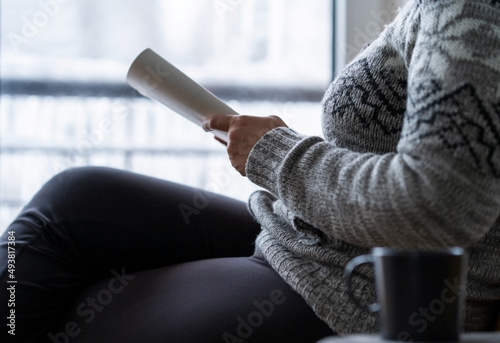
442	185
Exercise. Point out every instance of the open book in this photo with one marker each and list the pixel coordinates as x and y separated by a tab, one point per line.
156	78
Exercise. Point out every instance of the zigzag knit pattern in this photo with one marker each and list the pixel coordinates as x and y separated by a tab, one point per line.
444	119
410	158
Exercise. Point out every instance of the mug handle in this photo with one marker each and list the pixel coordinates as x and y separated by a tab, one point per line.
349	268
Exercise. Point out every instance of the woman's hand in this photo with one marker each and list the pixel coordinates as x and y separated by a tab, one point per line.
242	132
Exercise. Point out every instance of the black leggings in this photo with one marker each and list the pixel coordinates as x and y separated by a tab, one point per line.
103	255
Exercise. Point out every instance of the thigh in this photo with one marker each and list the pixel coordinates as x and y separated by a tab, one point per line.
115	217
216	300
91	223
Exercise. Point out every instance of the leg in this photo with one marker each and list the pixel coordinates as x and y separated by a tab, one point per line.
90	223
216	300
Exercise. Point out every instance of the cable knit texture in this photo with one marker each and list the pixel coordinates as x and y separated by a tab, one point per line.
410	158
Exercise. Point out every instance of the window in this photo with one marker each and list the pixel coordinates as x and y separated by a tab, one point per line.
64	102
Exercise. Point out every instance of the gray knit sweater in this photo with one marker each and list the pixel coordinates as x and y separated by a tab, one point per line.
410	158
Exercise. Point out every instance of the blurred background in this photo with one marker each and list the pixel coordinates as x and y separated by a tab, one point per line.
64	102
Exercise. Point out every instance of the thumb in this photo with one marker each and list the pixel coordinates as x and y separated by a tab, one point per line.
218	122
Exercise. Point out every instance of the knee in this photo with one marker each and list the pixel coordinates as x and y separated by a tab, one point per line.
75	179
72	185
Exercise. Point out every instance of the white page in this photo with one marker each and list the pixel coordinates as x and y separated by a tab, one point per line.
154	77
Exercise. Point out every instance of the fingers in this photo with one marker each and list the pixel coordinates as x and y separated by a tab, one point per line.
238	151
218	122
243	133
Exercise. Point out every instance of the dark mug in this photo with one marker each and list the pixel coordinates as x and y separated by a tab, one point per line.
420	293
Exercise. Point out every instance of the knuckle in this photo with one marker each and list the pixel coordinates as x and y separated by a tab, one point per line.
240	120
232	151
232	136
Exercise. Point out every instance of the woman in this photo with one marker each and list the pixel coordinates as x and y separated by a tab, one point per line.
410	158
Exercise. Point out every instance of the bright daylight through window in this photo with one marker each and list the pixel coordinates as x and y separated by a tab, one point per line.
64	101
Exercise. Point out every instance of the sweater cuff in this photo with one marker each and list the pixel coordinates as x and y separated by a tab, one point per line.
266	157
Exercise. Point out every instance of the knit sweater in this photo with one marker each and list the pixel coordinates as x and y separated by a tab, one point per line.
409	158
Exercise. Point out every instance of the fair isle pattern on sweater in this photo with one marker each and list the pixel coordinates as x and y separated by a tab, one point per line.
410	158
